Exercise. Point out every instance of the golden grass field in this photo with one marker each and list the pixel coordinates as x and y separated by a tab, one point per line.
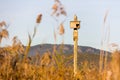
16	65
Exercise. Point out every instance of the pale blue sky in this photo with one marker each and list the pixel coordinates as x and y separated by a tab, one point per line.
21	15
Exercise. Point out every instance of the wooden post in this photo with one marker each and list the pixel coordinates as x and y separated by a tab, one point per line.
75	25
75	38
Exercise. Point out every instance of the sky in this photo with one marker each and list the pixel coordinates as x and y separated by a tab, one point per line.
21	16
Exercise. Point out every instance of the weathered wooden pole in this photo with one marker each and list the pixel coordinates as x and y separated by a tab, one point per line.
75	50
75	25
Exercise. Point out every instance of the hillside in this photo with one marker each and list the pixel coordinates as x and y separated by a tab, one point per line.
85	53
42	48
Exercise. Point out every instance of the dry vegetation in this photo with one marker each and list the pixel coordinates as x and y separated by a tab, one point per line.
15	64
51	66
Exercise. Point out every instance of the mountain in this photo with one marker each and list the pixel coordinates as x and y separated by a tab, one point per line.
68	49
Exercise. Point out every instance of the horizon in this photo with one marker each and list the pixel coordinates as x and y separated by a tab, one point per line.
65	45
21	17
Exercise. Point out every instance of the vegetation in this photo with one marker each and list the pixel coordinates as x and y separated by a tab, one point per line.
15	64
52	66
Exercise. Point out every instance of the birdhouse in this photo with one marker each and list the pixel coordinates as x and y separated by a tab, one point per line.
75	24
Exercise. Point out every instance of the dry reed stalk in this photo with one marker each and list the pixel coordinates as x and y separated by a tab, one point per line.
61	29
58	9
107	36
39	18
104	42
46	59
3	23
17	46
107	43
3	31
55	39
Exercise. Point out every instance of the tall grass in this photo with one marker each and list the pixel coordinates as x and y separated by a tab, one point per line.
104	44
